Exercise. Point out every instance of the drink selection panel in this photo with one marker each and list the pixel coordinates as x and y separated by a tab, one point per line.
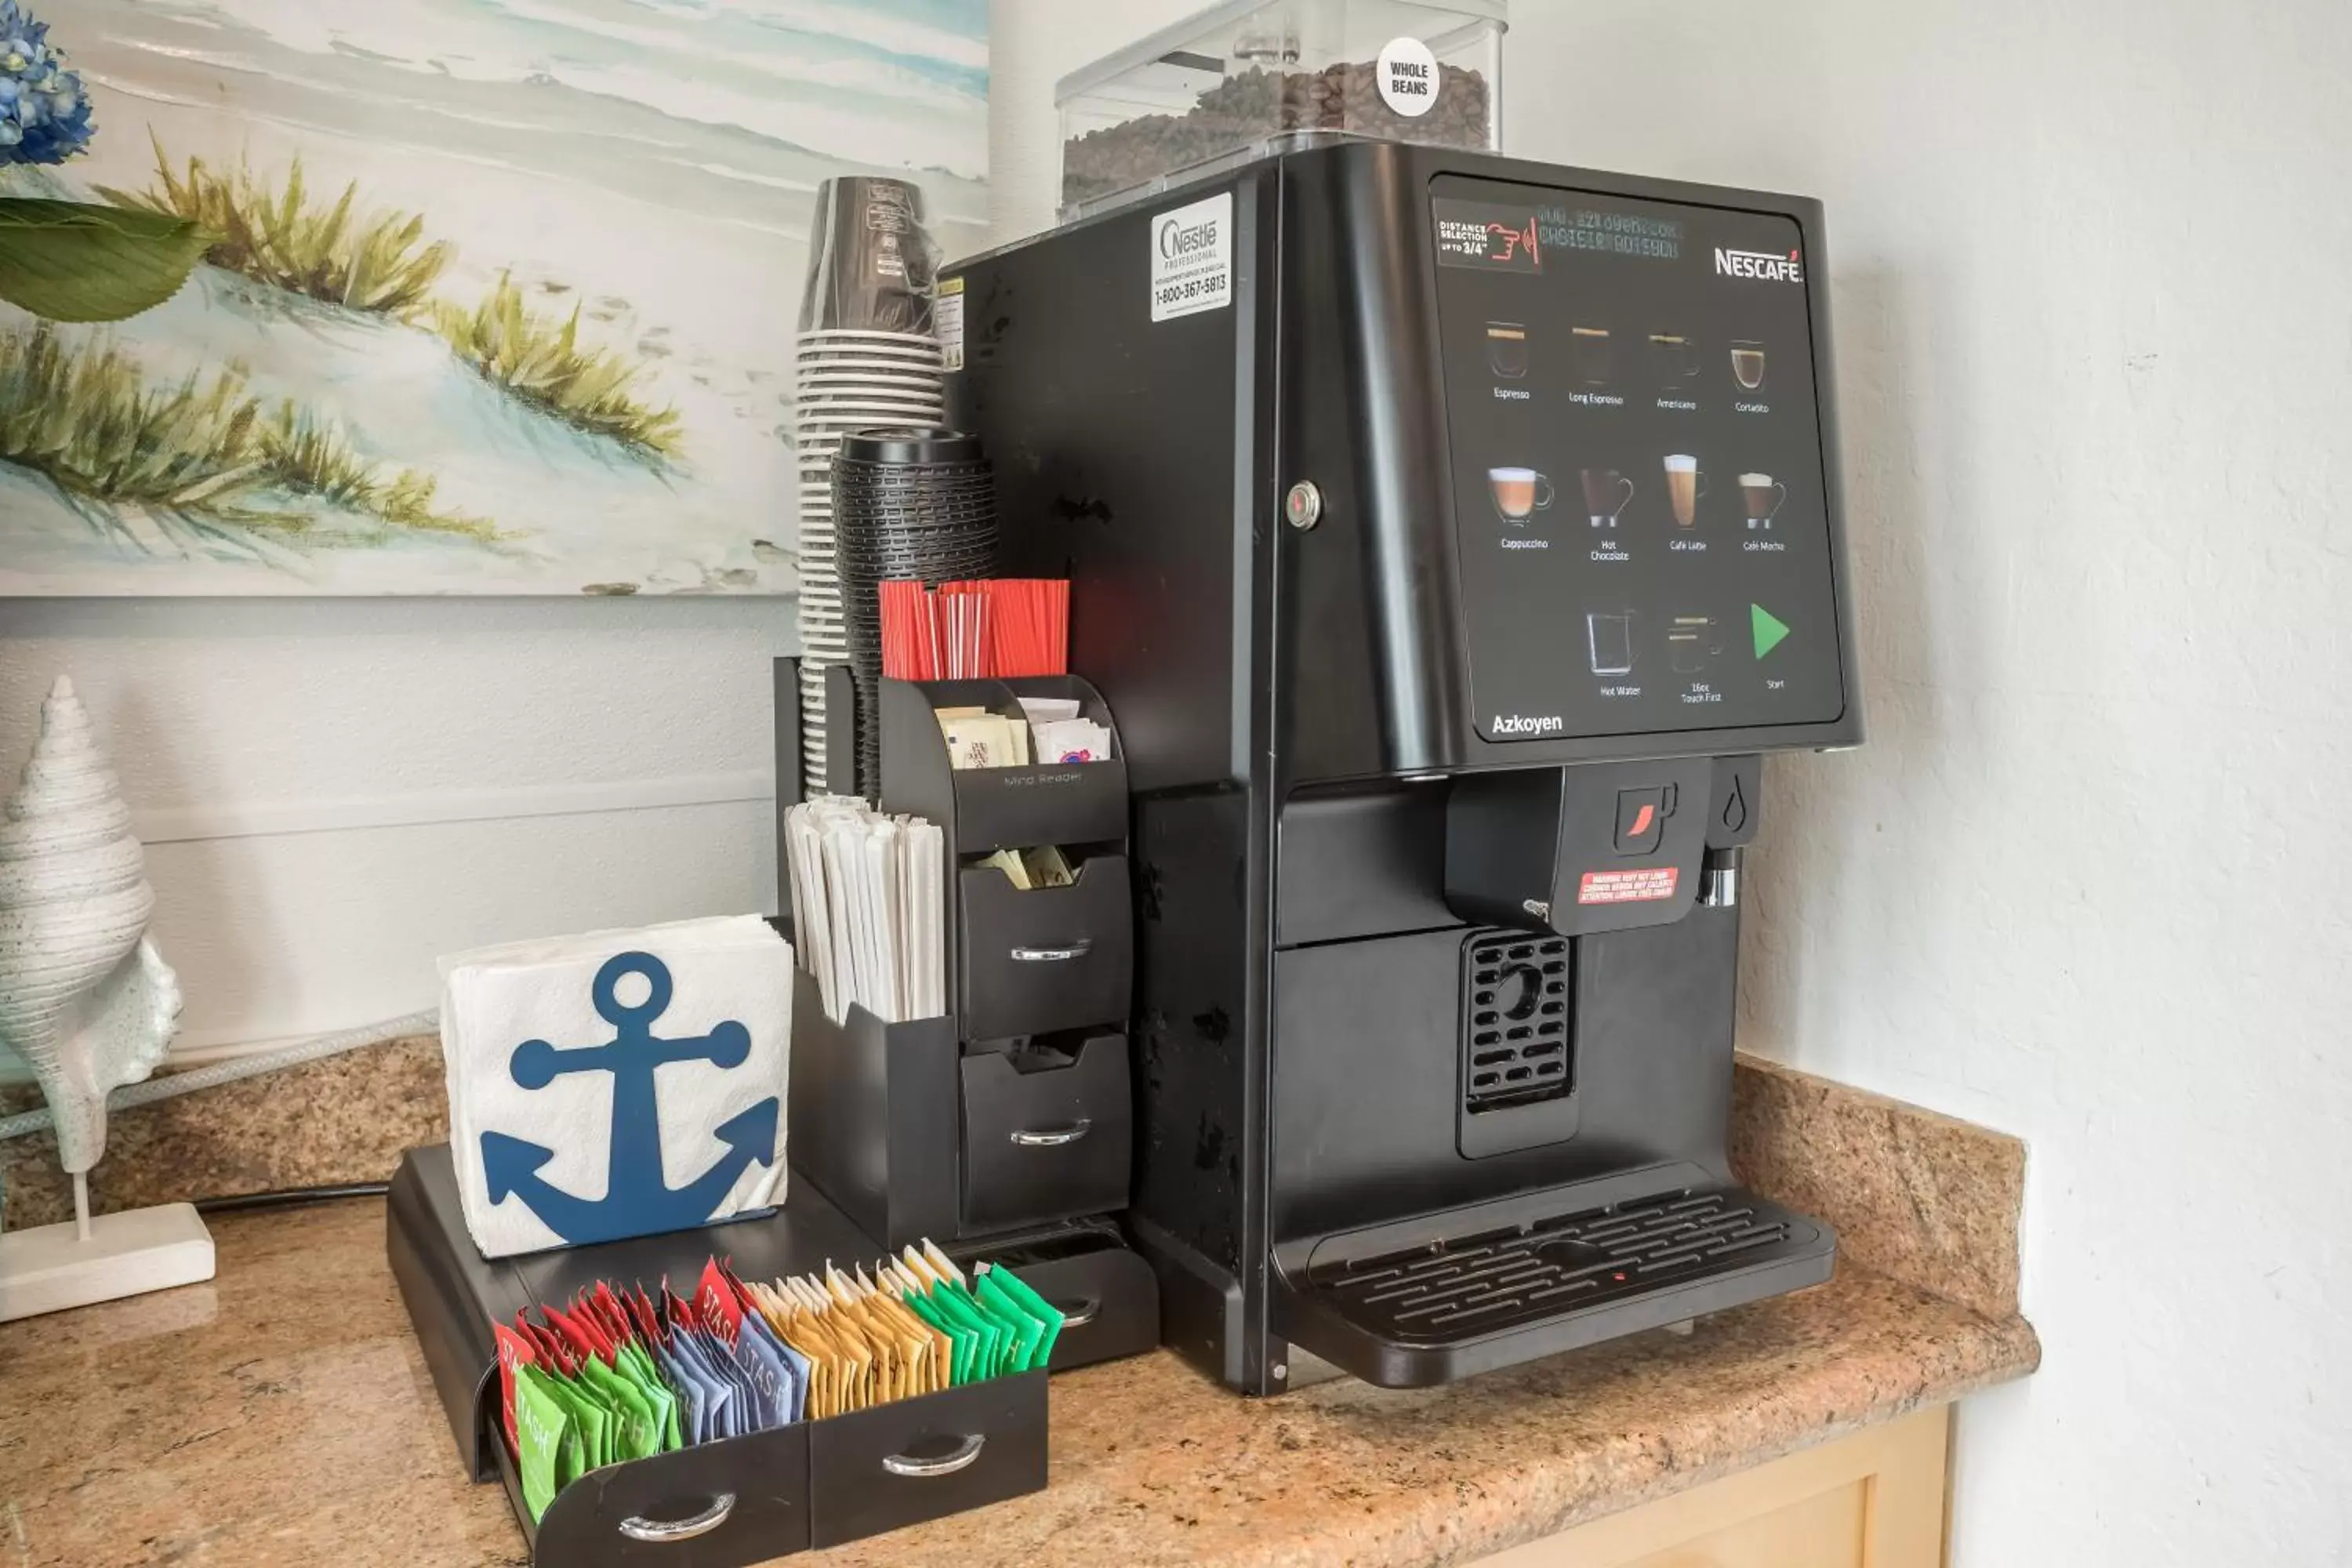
1640	495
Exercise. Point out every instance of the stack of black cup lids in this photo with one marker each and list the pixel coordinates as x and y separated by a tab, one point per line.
908	503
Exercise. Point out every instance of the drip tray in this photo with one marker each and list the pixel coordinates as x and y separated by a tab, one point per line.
1539	1282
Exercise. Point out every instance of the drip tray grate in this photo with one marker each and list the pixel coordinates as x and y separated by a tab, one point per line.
1503	1279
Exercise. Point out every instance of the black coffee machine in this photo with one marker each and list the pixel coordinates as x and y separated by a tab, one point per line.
1451	535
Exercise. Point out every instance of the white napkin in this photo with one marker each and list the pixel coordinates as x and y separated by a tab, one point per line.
869	905
730	969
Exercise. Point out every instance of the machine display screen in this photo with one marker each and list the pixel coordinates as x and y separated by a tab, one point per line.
1638	482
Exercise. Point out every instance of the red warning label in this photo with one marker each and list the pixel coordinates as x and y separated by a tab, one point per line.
1627	887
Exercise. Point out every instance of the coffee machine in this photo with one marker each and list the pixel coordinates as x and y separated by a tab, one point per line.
1452	536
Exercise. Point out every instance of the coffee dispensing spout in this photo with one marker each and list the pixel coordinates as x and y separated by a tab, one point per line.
1598	846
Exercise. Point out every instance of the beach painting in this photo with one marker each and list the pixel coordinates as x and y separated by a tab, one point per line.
497	297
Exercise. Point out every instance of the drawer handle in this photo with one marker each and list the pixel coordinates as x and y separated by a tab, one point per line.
1053	1137
947	1464
1079	1314
637	1526
1077	949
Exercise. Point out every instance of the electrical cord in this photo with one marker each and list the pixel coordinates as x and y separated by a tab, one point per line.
292	1197
165	1086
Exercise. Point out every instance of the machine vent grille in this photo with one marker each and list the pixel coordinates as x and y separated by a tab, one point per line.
1503	1279
1514	1019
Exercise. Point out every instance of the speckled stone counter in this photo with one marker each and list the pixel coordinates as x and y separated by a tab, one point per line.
282	1416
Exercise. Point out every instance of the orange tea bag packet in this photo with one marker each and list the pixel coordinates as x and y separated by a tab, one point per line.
858	1389
907	1353
849	1306
798	1327
898	1282
926	1349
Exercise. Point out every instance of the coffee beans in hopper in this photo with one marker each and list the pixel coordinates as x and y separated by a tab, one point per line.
1245	110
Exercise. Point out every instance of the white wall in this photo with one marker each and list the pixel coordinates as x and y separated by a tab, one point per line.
2089	269
335	791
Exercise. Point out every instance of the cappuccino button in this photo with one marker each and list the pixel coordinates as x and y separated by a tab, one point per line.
1303	507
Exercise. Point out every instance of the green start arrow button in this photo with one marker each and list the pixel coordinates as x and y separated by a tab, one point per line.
1768	628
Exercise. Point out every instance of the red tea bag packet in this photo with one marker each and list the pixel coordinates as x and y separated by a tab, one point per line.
715	1298
553	1354
514	1349
641	1309
612	1317
743	1302
745	1306
583	1340
591	1319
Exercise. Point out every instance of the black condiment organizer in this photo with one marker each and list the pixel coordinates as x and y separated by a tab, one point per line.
746	1499
1026	1078
912	1136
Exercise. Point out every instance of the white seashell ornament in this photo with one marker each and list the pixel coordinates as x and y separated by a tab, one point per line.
84	997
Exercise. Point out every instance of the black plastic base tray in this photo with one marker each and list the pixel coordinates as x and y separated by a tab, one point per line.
749	1499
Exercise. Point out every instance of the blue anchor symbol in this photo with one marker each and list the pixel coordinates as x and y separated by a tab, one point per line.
637	1201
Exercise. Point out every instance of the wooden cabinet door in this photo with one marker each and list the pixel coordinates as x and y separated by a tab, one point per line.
1872	1501
1824	1530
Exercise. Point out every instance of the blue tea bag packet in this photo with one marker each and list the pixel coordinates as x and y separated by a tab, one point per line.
719	1417
692	1405
791	1366
740	1406
772	1384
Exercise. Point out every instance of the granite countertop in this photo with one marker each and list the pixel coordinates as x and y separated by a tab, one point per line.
283	1414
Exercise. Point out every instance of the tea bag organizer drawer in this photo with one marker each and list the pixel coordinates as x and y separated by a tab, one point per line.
717	1505
913	1137
807	1485
1039	960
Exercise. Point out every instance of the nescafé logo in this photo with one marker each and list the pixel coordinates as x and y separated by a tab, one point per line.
1769	266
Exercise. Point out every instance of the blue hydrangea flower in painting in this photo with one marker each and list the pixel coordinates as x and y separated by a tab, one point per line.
44	110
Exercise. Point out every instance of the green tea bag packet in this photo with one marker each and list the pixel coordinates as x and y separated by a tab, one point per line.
963	1341
993	1334
636	1431
639	1367
589	1419
1034	1330
1045	1312
952	1302
1020	1333
547	1449
643	1430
